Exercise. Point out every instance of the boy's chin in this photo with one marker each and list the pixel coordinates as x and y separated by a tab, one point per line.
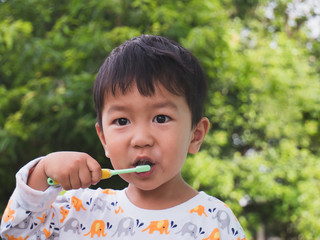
144	187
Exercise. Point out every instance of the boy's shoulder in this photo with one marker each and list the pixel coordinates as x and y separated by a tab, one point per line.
212	201
207	205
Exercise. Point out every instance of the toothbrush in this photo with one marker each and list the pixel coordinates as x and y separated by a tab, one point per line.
107	173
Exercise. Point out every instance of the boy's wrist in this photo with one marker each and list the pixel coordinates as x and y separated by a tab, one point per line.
37	178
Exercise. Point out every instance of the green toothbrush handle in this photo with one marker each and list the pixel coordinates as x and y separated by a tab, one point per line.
138	169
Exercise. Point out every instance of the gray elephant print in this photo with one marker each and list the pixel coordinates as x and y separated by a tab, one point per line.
99	204
125	227
189	228
223	219
72	224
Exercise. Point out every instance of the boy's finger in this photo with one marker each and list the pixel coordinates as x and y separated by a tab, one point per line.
65	184
95	170
75	180
85	177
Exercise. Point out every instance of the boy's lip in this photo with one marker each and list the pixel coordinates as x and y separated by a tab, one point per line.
146	174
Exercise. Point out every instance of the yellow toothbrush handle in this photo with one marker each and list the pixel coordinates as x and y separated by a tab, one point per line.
105	173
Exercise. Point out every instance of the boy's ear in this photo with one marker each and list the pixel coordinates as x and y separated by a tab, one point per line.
199	132
102	139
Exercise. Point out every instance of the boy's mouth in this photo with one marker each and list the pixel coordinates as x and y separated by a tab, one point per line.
143	161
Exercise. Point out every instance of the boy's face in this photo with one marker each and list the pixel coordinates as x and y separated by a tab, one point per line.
153	130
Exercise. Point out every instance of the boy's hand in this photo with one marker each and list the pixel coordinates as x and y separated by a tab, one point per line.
72	170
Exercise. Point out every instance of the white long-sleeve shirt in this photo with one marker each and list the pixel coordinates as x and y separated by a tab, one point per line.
109	214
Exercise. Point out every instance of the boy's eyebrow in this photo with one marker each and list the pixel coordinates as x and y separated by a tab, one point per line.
163	104
115	108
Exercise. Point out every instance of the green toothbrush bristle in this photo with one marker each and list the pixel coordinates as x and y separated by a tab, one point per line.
143	168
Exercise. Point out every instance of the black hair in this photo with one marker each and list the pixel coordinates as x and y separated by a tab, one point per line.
147	61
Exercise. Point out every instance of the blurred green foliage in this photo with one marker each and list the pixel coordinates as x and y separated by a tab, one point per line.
261	155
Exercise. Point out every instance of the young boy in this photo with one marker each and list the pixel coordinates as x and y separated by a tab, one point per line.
149	96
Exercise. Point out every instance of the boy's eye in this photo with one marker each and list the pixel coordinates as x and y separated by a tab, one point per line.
161	119
121	121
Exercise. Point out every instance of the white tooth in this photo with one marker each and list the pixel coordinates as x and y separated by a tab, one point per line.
142	162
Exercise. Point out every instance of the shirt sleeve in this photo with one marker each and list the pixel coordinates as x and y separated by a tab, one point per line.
29	210
230	227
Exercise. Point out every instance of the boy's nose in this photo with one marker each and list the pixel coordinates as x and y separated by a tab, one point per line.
142	137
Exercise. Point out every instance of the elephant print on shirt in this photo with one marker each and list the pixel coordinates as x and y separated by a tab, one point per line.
189	228
64	213
215	235
223	219
160	226
72	224
14	238
97	227
8	213
99	204
109	191
25	223
125	227
47	235
77	203
200	210
43	218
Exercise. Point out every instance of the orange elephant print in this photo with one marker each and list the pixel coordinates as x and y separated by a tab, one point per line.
215	235
8	213
77	203
120	210
200	210
64	213
42	218
109	191
161	226
46	233
97	227
14	238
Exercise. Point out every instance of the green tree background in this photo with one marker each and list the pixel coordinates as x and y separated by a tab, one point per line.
262	154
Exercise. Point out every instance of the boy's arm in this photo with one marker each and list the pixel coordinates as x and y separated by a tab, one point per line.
27	206
37	178
72	170
32	199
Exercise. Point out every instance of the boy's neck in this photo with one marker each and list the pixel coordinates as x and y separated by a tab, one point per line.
165	196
